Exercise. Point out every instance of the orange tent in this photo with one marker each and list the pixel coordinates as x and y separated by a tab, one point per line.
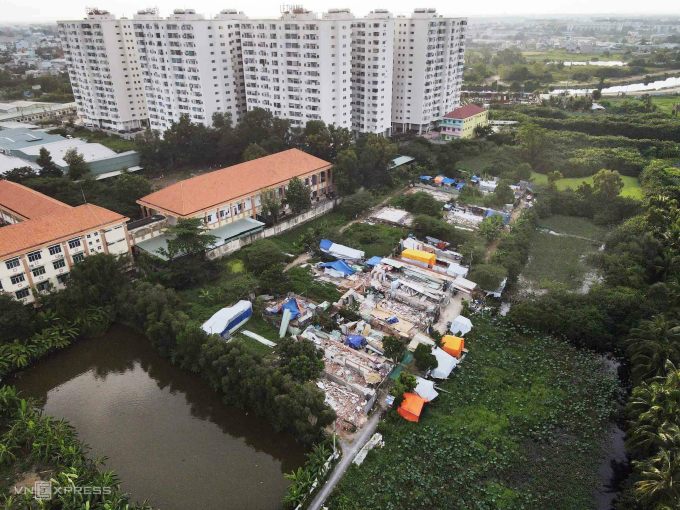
453	345
411	407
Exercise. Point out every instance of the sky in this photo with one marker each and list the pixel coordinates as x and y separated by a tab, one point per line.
12	11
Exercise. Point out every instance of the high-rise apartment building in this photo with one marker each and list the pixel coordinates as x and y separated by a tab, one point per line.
298	66
428	69
104	71
190	65
372	58
375	74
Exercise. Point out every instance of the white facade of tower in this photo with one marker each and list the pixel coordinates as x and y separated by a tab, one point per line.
376	74
372	70
428	69
190	65
298	67
104	72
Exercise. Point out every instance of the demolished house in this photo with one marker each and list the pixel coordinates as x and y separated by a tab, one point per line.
351	375
296	313
343	275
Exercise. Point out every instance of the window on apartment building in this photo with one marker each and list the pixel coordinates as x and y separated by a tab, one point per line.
38	271
43	286
11	264
74	243
79	257
36	255
58	264
17	278
23	293
62	278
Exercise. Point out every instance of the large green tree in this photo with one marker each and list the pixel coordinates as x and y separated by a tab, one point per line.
188	237
77	167
48	168
298	196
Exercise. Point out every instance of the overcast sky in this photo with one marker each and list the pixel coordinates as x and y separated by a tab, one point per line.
50	10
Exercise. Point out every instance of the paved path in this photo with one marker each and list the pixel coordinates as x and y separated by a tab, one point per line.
348	454
298	261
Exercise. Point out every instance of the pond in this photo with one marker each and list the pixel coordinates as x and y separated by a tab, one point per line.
165	432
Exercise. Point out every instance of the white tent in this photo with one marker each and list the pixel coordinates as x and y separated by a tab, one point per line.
445	364
425	389
340	251
457	270
461	325
227	320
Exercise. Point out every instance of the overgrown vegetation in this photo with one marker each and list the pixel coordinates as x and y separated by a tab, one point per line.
512	430
635	313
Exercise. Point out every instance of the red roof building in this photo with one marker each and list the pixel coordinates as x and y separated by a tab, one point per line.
43	238
462	122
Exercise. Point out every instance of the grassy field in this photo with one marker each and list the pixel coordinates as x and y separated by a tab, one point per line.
565	56
115	143
288	241
519	426
373	239
574	226
561	259
557	260
664	104
631	185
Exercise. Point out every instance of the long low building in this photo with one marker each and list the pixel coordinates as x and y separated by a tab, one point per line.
41	239
229	200
25	144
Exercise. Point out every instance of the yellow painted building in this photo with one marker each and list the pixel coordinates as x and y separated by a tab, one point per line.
462	122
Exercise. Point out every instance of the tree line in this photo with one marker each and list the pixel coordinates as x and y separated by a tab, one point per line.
364	161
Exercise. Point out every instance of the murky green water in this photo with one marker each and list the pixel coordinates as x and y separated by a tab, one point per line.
165	432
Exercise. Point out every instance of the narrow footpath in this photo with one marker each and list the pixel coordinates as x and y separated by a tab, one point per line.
348	454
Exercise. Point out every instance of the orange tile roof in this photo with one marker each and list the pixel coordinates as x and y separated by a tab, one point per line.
62	225
190	196
26	202
465	112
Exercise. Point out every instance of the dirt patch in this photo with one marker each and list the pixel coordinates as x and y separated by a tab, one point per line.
27	479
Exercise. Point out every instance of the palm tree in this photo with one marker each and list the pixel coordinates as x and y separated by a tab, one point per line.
651	344
654	408
659	487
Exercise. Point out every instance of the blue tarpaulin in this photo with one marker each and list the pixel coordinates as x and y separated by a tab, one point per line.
474	178
492	212
448	181
374	261
340	266
356	341
460	185
425	177
291	305
325	244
